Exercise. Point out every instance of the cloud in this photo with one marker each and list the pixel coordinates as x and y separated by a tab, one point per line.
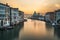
57	5
31	5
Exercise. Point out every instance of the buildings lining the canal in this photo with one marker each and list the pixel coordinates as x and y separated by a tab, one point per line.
9	14
50	17
4	14
21	16
15	15
37	16
53	17
57	17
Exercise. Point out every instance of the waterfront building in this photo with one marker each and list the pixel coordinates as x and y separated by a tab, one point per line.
4	14
50	17
21	16
37	16
9	15
41	18
57	17
47	17
15	15
34	14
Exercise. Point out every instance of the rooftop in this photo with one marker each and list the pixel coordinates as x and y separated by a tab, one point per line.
5	4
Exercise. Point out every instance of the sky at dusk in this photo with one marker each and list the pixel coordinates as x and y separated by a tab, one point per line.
29	6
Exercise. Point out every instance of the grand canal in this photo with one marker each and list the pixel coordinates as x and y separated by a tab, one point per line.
31	30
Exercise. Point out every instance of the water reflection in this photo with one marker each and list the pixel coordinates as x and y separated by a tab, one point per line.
50	30
31	30
57	33
36	30
12	34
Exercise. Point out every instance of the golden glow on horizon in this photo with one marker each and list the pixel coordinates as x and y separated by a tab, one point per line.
28	6
57	5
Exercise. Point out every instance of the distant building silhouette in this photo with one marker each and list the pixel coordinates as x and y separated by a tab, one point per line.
34	14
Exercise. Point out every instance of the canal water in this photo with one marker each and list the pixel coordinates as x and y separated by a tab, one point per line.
31	30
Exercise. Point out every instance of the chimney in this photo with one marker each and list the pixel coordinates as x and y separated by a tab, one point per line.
7	4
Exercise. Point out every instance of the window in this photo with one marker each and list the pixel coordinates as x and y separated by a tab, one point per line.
1	7
2	12
14	13
2	15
